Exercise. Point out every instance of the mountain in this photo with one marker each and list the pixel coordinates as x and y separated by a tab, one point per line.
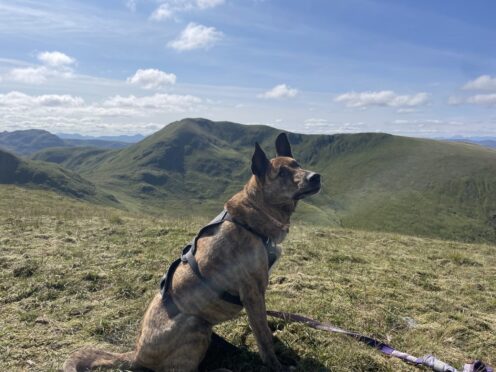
24	142
372	181
122	138
489	142
28	142
16	171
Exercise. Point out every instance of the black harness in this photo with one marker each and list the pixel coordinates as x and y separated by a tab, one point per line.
188	256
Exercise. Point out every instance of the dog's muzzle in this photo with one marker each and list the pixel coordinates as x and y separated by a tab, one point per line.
312	186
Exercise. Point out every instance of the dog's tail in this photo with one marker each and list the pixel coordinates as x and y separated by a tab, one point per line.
86	359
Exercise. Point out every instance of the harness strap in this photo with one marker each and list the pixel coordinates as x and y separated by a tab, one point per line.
224	295
188	256
165	284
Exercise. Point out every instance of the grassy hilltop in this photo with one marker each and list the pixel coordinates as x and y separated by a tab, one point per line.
372	181
74	273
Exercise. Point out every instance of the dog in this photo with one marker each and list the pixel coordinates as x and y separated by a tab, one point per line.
233	257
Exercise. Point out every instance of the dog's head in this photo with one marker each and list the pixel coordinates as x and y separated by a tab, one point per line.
282	179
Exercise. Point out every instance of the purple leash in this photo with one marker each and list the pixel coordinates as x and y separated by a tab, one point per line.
427	361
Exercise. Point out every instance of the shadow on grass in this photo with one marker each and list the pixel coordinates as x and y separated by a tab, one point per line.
223	354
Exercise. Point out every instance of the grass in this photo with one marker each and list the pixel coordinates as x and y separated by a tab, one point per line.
74	274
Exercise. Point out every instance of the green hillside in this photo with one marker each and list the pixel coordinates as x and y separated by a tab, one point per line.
73	158
37	174
73	274
372	181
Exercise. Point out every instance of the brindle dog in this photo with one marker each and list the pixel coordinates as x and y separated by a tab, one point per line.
233	258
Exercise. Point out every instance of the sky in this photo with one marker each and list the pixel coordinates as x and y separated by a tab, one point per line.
415	68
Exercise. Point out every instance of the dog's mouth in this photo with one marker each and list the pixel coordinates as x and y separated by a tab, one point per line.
306	192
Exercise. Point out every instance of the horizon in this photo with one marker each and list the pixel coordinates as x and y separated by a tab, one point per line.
140	136
133	66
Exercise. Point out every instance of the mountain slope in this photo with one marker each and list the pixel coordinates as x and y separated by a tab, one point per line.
16	171
73	158
371	180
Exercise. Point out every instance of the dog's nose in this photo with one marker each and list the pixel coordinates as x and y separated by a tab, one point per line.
313	178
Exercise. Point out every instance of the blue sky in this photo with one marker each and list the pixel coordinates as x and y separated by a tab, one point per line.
418	68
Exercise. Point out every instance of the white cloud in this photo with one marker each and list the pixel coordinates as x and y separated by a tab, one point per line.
129	114
18	99
484	82
28	75
479	99
168	8
151	78
323	126
426	126
159	101
36	75
205	4
131	5
55	59
483	99
279	91
162	12
315	123
196	36
55	64
381	98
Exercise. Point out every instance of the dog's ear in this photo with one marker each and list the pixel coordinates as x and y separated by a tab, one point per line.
259	162
283	148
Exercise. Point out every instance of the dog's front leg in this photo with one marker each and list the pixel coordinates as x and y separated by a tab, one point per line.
254	304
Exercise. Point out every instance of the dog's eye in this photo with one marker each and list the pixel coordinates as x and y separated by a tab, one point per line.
283	172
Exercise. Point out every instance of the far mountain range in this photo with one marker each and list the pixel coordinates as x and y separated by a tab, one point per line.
121	138
372	181
27	142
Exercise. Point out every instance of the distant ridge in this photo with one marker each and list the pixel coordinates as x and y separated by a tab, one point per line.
121	138
27	142
24	142
486	142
